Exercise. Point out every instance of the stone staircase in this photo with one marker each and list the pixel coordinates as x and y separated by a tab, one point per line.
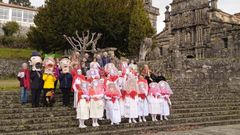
192	107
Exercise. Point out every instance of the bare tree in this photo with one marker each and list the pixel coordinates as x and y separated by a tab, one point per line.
81	44
145	48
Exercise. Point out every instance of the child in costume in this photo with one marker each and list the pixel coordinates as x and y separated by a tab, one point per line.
142	101
131	107
65	79
165	101
49	80
94	64
92	74
112	95
24	79
111	70
96	102
124	67
121	84
79	76
154	100
82	86
36	78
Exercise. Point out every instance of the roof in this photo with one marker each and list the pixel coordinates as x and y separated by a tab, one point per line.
237	15
17	6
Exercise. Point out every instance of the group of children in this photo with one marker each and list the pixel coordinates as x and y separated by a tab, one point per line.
122	93
110	91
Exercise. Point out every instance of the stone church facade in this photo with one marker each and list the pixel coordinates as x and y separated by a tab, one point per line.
198	29
152	11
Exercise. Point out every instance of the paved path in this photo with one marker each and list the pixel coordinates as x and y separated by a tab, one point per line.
217	130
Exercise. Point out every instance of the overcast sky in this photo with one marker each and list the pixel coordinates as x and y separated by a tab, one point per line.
230	6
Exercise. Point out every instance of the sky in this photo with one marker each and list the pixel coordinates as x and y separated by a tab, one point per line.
229	6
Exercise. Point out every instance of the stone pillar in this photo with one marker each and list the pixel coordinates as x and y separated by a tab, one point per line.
167	19
214	4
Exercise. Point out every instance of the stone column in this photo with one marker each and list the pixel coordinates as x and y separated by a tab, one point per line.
214	4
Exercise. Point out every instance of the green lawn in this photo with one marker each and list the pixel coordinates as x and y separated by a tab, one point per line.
10	53
10	84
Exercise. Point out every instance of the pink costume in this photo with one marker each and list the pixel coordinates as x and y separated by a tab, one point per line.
142	96
92	74
165	92
154	98
131	98
112	95
96	102
83	102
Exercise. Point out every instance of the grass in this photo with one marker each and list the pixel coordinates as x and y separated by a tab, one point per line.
11	53
9	84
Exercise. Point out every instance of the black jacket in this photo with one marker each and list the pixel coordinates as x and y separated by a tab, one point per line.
65	81
36	80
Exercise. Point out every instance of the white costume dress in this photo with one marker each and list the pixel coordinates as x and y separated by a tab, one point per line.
112	95
153	99
131	100
76	82
96	102
121	83
164	106
83	104
165	91
142	98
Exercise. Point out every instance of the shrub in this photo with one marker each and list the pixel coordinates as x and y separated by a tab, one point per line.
10	28
15	42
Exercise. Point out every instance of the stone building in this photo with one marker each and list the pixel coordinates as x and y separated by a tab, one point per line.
198	29
22	15
153	12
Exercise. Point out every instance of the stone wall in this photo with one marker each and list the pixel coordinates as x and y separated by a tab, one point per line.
9	68
222	72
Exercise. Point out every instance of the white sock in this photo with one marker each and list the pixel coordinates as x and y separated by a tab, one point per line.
152	117
140	119
129	121
144	119
134	121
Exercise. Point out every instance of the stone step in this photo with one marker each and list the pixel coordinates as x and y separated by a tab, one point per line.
45	126
69	117
204	109
176	102
205	101
178	88
121	131
202	105
179	104
36	115
55	111
27	108
33	110
13	102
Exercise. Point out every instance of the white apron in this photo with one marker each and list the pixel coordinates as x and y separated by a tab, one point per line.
83	109
113	111
154	105
96	108
143	107
130	108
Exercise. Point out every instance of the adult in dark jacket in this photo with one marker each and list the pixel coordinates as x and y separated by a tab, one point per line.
36	78
65	86
105	59
36	87
65	79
